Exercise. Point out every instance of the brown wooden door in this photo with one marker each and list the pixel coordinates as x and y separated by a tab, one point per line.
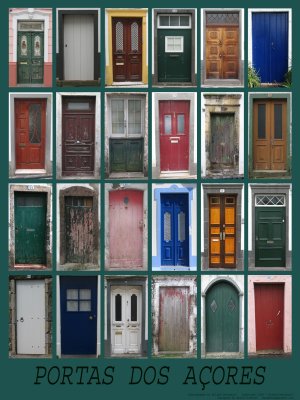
127	49
78	136
269	134
30	131
269	310
222	45
222	231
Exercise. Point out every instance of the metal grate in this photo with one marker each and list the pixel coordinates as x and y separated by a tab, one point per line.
23	45
119	36
167	227
222	18
134	36
181	226
269	200
37	46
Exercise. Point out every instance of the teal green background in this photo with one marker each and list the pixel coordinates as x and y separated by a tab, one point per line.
17	376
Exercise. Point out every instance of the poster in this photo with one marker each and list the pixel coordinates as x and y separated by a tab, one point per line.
151	209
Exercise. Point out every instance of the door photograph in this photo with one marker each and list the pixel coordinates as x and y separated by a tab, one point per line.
78	316
270	44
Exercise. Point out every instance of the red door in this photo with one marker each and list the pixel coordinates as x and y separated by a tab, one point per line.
174	126
30	131
126	229
269	309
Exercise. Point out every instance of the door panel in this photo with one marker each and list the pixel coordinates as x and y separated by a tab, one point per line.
78	47
173	319
174	127
270	35
269	310
127	49
126	215
78	136
78	308
30	315
270	231
222	231
126	320
30	55
269	134
222	318
30	228
222	149
30	133
174	230
126	155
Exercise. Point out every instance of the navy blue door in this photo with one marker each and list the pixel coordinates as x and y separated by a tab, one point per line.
270	45
174	230
78	302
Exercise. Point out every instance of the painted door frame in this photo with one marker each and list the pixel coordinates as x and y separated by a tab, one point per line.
58	318
230	189
193	15
253	190
180	96
79	191
222	82
139	282
205	286
269	10
280	96
60	13
30	188
156	226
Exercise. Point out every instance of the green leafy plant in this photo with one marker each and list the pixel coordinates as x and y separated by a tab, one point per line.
253	77
288	78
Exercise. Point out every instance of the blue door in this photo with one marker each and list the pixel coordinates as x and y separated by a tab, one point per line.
78	297
174	230
270	45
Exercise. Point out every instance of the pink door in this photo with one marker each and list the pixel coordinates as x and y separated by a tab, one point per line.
126	229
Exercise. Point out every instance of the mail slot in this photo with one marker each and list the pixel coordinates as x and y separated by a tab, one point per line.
23	62
119	63
270	241
174	141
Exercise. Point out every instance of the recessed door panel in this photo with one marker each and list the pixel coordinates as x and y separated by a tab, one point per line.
222	150
126	225
222	318
30	133
78	309
269	316
174	127
30	54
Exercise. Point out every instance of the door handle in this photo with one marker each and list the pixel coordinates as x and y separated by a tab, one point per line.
224	235
91	317
21	319
220	55
77	141
66	45
220	235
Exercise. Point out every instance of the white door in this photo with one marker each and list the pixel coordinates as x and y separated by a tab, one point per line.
30	313
126	320
78	47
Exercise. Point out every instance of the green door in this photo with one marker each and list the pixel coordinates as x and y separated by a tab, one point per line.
30	228
174	55
270	231
222	318
126	155
30	57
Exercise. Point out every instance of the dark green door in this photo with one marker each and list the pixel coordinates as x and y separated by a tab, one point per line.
30	228
270	231
30	57
222	318
174	55
126	155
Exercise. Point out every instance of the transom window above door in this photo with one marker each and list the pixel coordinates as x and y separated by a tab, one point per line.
127	117
181	21
272	200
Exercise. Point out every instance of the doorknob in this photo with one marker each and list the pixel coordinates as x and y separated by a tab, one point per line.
66	45
77	141
21	319
91	317
220	55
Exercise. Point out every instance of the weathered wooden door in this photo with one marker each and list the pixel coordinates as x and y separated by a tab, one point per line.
174	315
269	314
78	51
222	45
174	129
30	133
78	310
78	136
174	48
174	229
126	225
127	49
126	144
125	319
222	318
80	229
270	230
222	231
30	316
222	148
30	52
30	228
269	134
270	36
